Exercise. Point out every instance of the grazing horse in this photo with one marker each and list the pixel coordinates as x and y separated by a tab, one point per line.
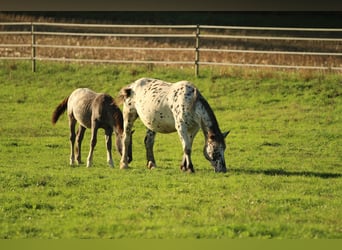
164	107
92	110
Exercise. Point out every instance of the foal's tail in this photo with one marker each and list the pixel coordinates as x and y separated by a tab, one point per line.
59	110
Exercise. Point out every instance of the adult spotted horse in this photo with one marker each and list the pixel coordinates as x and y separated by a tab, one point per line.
169	107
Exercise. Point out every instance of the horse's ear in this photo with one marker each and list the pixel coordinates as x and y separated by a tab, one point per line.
126	92
225	134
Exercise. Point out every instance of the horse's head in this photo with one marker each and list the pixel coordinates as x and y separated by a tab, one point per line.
214	151
118	143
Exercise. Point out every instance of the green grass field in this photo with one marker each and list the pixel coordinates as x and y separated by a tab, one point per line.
283	155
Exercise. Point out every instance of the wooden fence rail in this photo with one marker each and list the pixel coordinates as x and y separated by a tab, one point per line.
195	33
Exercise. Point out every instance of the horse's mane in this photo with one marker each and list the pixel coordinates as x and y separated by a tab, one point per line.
214	128
117	114
118	117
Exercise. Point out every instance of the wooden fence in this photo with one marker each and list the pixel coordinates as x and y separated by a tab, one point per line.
194	34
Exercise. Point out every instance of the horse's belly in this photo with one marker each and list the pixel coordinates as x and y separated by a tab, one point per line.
161	122
84	119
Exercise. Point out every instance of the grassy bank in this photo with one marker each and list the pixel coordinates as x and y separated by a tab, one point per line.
283	157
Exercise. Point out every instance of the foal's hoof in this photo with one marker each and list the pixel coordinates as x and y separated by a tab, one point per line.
151	165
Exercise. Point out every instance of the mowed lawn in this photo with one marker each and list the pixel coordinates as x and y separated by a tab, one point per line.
283	155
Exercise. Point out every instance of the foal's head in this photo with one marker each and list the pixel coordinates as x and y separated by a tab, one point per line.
214	151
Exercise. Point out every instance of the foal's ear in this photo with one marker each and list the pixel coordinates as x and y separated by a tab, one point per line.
225	134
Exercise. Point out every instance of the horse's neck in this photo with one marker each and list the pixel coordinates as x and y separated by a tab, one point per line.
208	120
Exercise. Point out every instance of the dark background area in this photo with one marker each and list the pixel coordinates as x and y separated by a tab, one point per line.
244	18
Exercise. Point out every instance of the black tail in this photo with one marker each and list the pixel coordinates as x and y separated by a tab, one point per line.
59	110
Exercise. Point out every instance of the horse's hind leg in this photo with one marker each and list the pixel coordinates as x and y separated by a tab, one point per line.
108	136
93	142
79	138
72	124
149	142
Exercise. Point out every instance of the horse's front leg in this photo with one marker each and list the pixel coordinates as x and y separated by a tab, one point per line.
79	138
72	124
186	164
93	142
129	116
108	136
186	140
149	142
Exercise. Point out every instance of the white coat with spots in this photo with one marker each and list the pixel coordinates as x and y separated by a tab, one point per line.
172	107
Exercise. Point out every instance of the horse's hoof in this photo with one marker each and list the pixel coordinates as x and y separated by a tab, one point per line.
191	171
151	165
182	168
123	166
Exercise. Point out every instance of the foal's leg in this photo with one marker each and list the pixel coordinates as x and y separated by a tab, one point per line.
93	141
129	115
149	142
72	124
108	136
79	138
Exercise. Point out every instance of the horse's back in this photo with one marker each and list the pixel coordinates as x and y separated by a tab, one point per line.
159	104
80	105
81	95
157	90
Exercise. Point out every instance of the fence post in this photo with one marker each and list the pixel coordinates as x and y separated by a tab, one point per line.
197	50
33	48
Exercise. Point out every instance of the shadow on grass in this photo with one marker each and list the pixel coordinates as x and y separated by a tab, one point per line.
281	172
